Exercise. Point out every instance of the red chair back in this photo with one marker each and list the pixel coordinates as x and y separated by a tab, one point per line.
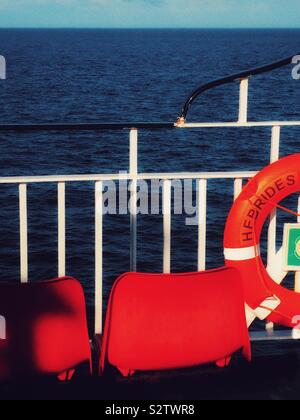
157	322
44	328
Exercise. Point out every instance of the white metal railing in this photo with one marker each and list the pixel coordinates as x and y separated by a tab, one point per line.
133	176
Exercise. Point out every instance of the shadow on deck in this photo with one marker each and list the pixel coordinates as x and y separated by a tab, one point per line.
271	376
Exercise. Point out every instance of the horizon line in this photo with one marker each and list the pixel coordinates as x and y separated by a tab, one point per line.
153	28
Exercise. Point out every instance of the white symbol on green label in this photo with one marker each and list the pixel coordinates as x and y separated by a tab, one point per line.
297	248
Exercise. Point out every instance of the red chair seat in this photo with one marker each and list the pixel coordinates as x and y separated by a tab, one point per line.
45	328
158	322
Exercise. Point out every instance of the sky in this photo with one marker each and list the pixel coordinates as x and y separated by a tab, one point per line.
150	13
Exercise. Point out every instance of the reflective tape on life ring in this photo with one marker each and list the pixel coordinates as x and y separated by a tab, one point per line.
242	254
263	311
267	307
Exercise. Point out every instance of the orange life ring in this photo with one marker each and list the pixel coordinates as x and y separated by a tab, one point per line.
266	298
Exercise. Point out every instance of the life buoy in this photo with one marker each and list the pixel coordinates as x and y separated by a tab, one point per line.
265	298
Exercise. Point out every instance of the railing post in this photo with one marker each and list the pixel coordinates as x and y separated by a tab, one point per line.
167	206
23	232
202	215
243	103
274	156
238	187
275	144
133	165
61	230
98	257
272	231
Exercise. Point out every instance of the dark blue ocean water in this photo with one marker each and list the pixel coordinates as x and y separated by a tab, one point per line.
136	75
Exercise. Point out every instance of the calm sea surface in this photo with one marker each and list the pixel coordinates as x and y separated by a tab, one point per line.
136	75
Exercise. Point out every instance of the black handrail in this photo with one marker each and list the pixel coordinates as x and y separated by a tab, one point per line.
84	127
230	79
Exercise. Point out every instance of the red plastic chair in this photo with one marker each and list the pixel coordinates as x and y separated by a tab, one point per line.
160	322
44	329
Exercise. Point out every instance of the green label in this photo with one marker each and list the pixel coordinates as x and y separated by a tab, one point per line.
294	247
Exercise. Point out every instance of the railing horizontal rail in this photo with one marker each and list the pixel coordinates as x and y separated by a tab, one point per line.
248	124
121	177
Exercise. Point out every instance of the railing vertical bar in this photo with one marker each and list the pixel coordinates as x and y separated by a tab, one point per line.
98	257
243	103
275	147
202	217
272	231
61	229
23	233
238	187
167	206
275	144
133	225
133	165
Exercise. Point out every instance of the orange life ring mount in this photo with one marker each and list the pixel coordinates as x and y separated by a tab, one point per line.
264	297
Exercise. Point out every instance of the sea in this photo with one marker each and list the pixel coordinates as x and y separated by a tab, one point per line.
97	76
